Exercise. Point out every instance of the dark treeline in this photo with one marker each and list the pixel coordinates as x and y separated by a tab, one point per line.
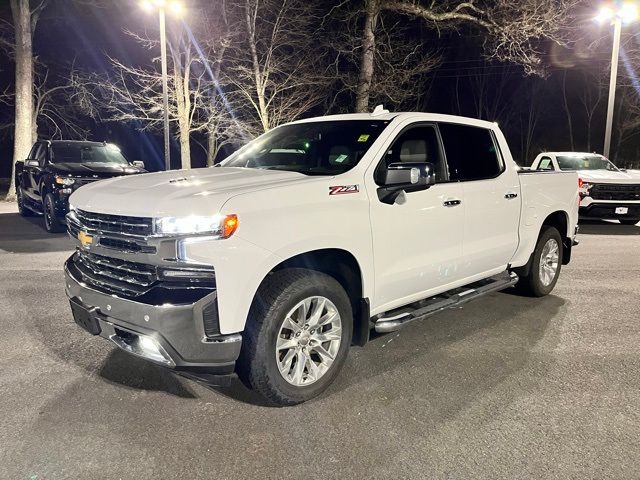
239	67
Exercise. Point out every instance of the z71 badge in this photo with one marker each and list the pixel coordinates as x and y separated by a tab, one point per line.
343	189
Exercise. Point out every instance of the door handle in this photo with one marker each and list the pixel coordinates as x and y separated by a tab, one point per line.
510	195
451	203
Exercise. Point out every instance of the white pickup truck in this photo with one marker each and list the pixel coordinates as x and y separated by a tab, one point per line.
606	192
299	244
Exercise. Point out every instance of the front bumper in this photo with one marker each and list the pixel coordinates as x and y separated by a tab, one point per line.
608	210
177	330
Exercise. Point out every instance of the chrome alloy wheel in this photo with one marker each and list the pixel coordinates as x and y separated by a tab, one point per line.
549	261
308	341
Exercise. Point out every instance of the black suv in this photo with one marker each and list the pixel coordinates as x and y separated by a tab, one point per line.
56	168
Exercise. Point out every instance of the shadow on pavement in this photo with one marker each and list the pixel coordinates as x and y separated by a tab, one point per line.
424	341
124	369
602	227
27	235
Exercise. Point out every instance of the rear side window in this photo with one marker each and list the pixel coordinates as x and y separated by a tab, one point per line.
471	152
545	164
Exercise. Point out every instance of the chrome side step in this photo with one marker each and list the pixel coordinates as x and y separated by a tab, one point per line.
398	318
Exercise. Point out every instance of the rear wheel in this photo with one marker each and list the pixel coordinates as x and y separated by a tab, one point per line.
22	210
51	222
545	265
297	336
629	221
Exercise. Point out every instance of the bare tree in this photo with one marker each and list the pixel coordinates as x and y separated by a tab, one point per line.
25	18
386	65
134	94
512	29
53	112
274	69
591	96
567	110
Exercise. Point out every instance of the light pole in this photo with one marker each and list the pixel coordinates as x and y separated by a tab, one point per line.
626	13
176	8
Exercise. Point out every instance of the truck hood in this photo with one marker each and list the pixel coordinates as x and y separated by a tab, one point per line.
607	176
180	192
92	170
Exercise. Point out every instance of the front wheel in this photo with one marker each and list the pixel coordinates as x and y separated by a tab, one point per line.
629	221
51	222
545	265
297	336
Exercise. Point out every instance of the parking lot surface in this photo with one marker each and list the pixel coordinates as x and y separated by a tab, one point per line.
506	387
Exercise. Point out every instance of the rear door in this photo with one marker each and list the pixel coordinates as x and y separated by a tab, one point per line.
417	241
491	194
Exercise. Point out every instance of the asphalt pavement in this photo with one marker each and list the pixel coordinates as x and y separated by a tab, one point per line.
506	387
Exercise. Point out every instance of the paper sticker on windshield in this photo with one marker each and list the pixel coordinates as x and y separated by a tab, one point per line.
363	138
343	189
341	158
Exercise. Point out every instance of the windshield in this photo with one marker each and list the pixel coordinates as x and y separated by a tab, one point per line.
86	153
315	148
586	162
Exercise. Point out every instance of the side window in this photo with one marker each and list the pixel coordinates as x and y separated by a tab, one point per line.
41	154
33	154
417	144
545	164
471	152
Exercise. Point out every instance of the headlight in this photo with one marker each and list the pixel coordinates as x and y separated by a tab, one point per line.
584	187
65	181
221	226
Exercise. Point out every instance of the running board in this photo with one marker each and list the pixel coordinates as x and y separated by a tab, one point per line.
398	318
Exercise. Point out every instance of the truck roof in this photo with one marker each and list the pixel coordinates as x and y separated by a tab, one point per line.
83	142
571	154
430	117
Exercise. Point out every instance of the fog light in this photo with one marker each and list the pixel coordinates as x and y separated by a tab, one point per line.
143	346
151	349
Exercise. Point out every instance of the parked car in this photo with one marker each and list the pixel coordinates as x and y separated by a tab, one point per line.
606	191
57	168
300	243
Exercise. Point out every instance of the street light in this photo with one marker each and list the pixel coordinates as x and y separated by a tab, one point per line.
177	9
626	13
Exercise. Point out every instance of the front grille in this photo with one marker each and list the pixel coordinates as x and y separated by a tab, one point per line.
79	182
125	245
605	191
114	275
115	224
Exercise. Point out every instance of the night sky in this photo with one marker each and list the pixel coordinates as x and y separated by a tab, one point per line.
71	32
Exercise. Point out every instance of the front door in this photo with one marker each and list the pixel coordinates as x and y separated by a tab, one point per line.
417	241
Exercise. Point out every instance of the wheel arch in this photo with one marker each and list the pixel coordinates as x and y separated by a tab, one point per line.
560	220
344	267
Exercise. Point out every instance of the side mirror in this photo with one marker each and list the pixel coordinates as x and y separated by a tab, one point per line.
138	163
406	176
30	162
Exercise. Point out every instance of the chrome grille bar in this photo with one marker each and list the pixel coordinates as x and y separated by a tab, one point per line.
115	224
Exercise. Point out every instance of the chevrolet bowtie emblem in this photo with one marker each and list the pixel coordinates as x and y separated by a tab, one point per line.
85	239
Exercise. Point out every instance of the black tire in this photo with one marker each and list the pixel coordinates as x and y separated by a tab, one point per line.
280	292
51	222
532	284
629	221
22	210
